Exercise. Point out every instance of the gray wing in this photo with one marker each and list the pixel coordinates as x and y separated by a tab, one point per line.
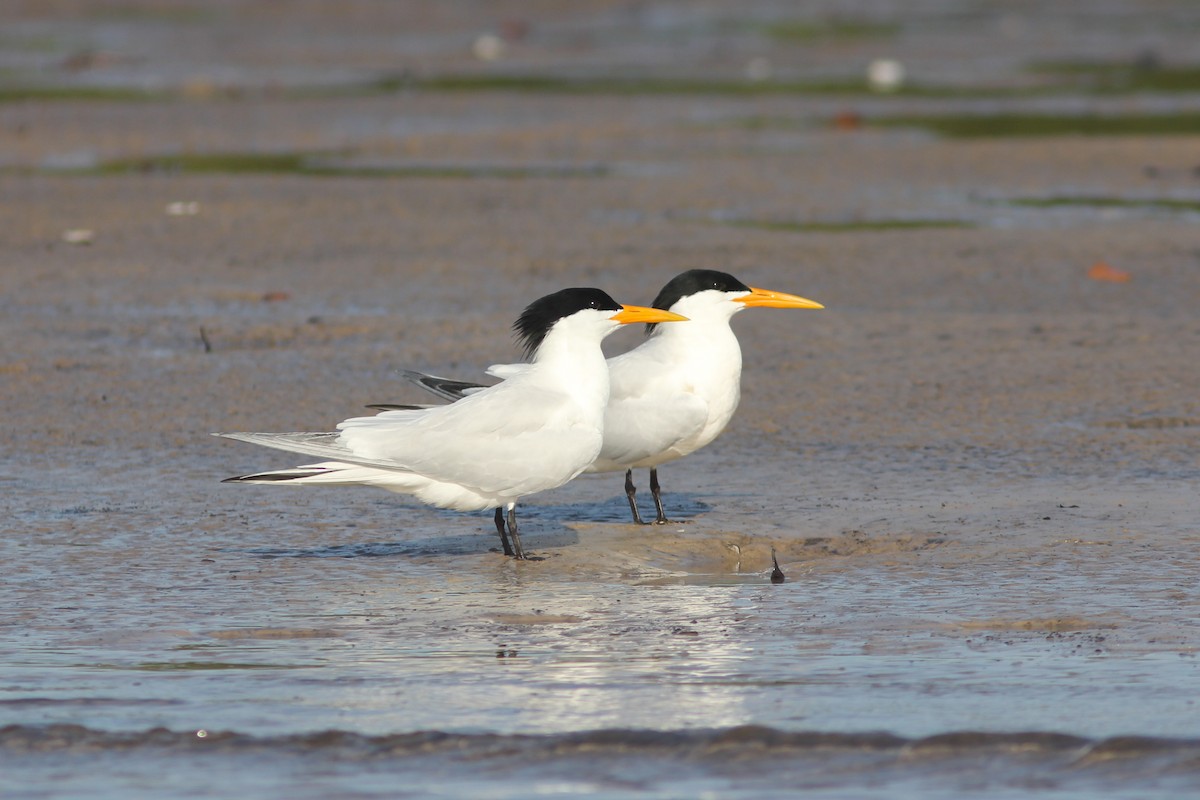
320	445
444	388
510	434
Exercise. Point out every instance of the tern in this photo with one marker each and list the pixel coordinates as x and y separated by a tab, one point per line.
533	432
674	393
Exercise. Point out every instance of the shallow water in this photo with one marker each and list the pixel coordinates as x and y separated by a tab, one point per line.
228	644
739	762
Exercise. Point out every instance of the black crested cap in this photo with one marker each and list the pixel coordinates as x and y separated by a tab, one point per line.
540	315
686	284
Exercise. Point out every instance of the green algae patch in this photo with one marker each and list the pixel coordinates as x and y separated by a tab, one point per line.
851	226
549	84
292	163
621	85
1103	77
51	94
327	165
976	126
841	29
1099	201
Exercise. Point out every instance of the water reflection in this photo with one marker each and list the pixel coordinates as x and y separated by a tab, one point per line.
181	613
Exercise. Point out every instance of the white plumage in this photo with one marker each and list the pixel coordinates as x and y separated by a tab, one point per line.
535	431
674	393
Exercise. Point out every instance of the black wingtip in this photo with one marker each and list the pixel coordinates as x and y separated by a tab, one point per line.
270	477
447	386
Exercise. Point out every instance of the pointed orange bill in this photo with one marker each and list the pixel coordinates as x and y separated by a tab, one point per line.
629	314
765	298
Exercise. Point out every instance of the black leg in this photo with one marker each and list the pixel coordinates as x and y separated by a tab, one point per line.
517	552
508	551
630	494
656	490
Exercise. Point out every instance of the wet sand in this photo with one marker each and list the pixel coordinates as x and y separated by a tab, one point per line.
978	466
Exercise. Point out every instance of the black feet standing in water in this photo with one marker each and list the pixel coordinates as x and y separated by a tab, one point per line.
510	539
655	491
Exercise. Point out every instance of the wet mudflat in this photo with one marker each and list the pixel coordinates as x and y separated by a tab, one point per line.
978	466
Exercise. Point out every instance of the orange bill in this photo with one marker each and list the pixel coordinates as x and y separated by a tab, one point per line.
629	314
765	298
